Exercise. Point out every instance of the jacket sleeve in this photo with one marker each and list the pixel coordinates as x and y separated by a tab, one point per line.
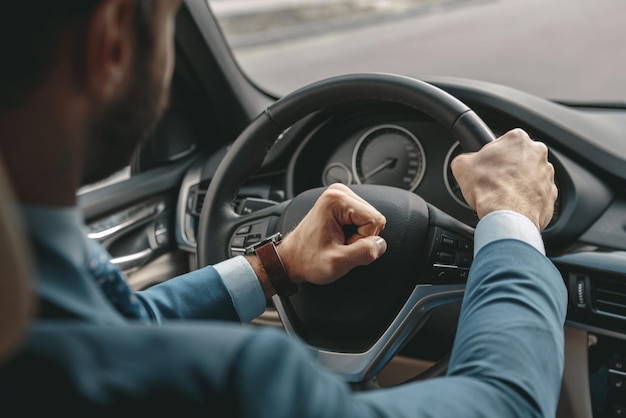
200	294
508	353
507	361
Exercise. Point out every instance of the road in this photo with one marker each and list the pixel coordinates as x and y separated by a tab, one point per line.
561	49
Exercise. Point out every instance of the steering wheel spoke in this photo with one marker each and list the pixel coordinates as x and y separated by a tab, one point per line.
450	249
250	228
355	367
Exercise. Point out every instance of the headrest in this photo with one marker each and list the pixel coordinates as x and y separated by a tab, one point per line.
16	290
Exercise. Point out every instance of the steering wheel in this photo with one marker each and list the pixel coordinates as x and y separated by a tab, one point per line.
358	323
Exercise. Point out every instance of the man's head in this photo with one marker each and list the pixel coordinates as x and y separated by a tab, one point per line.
118	128
106	63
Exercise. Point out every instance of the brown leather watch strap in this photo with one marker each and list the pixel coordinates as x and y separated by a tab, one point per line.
273	266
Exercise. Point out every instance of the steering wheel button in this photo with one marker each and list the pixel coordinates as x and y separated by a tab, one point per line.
465	259
243	230
442	274
446	257
465	246
618	363
617	383
238	242
446	275
252	239
448	241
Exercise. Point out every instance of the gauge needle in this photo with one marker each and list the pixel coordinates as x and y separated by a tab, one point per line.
388	163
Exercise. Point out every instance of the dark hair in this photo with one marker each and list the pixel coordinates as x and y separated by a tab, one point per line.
30	33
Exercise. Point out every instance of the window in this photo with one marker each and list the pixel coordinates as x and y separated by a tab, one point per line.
569	50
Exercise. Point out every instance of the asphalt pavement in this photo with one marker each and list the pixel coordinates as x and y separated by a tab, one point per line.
250	23
560	49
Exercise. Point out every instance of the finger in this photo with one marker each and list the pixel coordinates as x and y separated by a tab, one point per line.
461	170
459	164
362	252
348	191
515	133
518	132
345	189
364	216
350	209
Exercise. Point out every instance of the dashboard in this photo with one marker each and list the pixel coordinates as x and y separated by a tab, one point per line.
395	146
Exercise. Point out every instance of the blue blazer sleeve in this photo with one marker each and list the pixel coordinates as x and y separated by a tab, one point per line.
507	361
508	353
200	294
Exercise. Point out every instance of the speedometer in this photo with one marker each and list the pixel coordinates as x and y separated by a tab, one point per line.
389	155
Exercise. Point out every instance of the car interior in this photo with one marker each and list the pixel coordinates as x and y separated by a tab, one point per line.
230	164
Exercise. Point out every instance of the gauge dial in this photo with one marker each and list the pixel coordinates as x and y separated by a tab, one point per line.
337	173
389	155
451	184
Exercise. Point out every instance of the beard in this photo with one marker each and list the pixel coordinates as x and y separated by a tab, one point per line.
123	126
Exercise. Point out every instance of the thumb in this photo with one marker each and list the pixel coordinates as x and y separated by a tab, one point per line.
363	251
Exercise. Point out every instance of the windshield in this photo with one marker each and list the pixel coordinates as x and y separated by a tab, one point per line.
567	50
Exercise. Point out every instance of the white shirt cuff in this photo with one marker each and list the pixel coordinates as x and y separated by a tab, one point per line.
243	286
506	224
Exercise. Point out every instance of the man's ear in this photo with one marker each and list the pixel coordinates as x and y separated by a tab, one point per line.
109	49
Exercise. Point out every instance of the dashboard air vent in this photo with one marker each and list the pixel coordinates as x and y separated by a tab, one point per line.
199	202
609	295
195	200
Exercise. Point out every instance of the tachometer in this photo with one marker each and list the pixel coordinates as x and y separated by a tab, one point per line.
389	155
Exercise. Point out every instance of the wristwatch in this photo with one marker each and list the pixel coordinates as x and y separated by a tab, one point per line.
273	265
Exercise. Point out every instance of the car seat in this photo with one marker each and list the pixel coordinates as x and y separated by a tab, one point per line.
17	299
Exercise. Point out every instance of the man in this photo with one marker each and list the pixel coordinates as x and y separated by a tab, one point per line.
95	63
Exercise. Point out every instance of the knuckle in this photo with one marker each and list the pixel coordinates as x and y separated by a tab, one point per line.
457	163
331	194
541	148
520	133
336	186
371	253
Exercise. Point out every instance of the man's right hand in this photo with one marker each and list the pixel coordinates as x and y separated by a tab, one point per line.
511	173
317	250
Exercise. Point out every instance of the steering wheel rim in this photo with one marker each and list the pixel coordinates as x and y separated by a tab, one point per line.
219	222
255	141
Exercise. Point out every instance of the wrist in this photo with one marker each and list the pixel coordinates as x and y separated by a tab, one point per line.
266	285
506	224
270	269
285	249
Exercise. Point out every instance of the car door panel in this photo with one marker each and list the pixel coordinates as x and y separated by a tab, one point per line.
135	221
